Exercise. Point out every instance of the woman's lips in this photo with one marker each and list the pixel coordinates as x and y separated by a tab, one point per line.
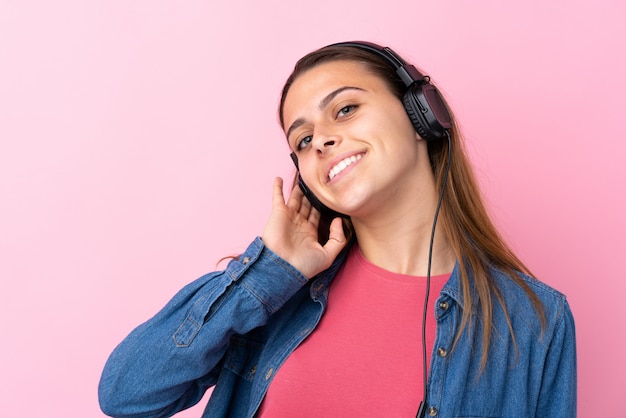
343	164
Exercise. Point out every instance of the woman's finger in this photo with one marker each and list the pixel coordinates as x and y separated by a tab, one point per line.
336	240
295	199
305	208
278	199
314	216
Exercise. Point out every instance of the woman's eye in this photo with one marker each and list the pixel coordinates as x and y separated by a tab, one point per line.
346	110
304	142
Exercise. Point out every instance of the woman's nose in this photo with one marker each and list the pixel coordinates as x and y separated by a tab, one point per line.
322	142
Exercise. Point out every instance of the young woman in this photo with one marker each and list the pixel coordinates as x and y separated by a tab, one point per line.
324	315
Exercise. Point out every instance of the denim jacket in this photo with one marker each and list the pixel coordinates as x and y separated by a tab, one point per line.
234	328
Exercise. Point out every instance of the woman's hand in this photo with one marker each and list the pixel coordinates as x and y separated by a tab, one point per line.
291	232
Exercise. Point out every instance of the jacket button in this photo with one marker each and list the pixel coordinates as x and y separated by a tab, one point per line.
442	352
245	260
269	374
432	411
444	305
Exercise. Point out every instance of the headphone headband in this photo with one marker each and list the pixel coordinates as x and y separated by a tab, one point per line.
407	72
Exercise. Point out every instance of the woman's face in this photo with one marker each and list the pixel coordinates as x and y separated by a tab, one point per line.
357	149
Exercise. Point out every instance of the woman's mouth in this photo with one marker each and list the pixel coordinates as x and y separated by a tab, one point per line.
342	165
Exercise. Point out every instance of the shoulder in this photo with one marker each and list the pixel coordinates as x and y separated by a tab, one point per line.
543	291
519	302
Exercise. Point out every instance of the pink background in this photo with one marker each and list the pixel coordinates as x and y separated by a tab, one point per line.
139	142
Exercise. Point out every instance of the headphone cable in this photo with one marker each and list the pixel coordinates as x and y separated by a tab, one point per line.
422	408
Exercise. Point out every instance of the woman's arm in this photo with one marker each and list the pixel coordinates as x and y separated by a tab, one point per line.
166	364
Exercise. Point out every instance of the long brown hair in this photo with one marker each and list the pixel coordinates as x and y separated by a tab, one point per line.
476	242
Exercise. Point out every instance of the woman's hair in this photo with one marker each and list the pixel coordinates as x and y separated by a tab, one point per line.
466	224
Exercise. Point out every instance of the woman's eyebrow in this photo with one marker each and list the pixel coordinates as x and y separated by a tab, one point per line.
330	96
322	105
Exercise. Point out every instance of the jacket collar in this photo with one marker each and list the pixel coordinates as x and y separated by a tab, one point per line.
322	281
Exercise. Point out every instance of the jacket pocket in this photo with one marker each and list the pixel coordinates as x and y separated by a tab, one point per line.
242	357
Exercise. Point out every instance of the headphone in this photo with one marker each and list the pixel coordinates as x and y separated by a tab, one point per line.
421	100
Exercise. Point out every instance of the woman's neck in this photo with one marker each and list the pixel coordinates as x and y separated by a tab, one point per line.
405	250
397	237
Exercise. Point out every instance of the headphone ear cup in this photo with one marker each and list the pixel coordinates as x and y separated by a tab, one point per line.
410	102
427	111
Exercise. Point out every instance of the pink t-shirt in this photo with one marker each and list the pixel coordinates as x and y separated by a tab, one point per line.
365	357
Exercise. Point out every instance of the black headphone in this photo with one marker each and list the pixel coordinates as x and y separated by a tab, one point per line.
422	101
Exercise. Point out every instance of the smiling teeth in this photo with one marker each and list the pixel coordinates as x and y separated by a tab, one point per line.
342	165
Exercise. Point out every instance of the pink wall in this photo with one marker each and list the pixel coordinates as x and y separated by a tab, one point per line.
138	145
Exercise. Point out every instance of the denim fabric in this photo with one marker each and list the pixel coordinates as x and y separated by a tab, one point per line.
234	328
